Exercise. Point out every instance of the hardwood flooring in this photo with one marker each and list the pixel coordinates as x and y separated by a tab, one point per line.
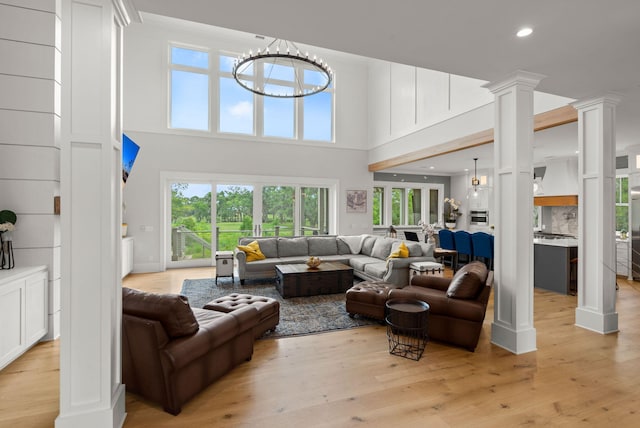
348	378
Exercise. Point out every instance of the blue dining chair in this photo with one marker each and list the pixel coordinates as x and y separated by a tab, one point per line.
483	248
446	242
464	246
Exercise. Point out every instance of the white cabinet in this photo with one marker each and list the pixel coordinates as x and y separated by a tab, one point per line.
127	256
622	257
23	310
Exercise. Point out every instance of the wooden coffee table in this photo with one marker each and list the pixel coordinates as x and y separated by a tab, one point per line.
298	280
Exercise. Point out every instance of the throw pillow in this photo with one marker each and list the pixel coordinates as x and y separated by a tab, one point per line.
468	281
252	251
401	252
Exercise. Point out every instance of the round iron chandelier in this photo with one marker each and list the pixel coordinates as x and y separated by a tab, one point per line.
278	56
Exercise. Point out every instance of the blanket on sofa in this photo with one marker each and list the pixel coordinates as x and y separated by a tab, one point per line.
354	242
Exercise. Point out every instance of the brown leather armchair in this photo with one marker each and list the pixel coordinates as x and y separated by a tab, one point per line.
171	351
457	305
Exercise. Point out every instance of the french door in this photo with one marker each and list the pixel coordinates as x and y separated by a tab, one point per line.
206	216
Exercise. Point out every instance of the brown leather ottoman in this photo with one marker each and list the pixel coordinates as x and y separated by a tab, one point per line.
268	308
368	299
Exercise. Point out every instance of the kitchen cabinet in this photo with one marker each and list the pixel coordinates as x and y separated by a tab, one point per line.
23	310
552	267
127	256
622	257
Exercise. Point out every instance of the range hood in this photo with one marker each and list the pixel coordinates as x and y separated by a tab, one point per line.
560	180
560	177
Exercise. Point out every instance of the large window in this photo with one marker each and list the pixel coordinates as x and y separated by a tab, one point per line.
239	111
622	203
189	80
378	206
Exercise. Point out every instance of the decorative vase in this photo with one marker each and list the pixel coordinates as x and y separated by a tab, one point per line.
450	225
6	251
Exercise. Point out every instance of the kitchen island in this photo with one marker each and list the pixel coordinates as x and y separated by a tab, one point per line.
552	264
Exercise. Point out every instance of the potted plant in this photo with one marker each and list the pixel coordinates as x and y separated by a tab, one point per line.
451	212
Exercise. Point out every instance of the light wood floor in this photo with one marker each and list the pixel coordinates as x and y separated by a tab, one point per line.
348	378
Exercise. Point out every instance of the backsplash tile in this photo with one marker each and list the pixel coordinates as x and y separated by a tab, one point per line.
564	220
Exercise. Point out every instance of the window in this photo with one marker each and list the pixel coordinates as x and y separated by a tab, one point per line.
406	204
189	91
622	203
378	206
307	118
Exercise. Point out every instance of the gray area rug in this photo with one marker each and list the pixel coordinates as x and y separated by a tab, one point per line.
298	315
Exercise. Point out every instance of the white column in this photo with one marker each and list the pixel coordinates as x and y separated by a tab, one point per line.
596	210
91	391
512	326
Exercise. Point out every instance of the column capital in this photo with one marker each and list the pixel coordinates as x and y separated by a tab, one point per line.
518	77
611	99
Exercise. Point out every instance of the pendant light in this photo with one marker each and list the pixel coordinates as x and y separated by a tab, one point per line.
474	181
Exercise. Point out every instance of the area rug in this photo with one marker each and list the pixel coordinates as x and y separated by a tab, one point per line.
298	315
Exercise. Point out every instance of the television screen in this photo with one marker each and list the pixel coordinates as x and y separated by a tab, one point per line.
129	153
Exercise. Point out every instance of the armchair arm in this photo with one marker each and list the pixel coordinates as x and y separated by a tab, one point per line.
241	257
429	281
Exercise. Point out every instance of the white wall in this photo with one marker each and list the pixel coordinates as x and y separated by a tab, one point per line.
162	150
30	137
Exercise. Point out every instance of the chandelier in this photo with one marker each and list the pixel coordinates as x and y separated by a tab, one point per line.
279	64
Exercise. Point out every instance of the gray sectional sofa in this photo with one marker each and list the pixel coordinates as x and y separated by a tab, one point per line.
366	254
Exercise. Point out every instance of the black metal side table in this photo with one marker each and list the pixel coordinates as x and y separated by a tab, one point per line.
407	323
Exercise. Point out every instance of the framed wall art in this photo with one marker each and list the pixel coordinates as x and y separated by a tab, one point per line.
356	201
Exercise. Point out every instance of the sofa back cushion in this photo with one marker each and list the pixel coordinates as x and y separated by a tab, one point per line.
288	247
415	250
382	248
322	245
468	281
171	310
367	244
268	246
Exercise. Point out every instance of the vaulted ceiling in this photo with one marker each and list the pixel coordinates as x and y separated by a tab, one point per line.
585	47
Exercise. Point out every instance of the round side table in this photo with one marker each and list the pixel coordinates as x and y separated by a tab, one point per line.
407	324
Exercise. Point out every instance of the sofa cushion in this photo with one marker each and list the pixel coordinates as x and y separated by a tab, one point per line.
359	262
468	281
382	248
367	245
172	310
399	250
322	246
343	247
415	250
378	269
427	249
288	247
268	246
252	250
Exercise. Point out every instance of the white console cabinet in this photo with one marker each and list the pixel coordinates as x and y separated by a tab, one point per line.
127	256
23	310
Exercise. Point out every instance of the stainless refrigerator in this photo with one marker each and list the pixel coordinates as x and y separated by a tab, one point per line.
635	232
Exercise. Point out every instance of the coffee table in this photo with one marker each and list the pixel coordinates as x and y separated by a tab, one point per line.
299	280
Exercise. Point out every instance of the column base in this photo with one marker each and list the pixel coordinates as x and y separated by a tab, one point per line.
112	417
594	321
518	342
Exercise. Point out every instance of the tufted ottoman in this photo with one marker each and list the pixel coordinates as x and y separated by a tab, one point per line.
368	298
268	308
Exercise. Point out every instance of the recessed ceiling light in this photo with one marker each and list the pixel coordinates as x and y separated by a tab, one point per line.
524	32
466	170
432	167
